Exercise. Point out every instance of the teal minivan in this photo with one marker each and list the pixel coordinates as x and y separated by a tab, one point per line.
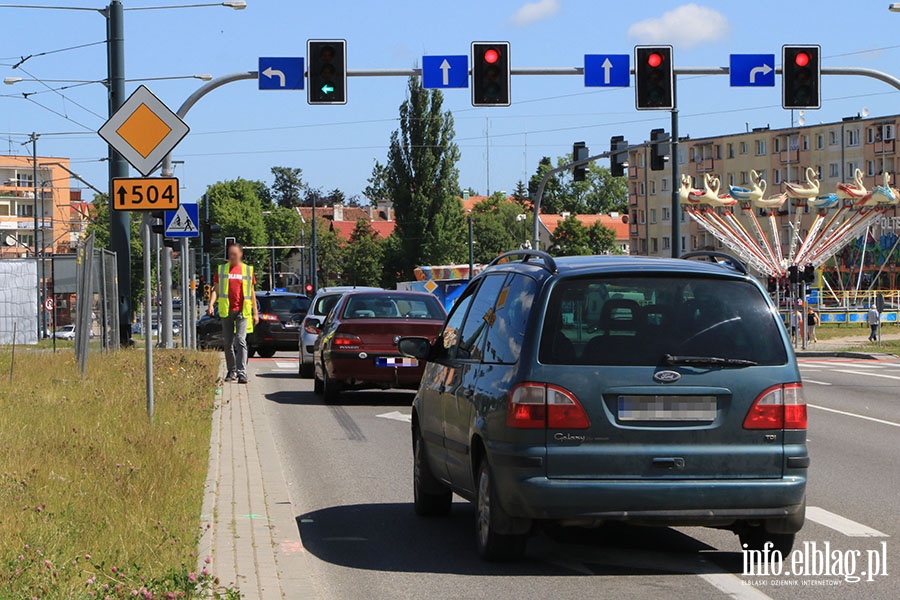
584	390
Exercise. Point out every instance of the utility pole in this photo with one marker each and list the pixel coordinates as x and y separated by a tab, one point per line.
34	243
119	221
314	253
676	179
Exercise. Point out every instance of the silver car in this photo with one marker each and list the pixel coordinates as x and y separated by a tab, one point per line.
324	301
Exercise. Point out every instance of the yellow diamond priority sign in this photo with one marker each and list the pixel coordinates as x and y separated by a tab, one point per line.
144	130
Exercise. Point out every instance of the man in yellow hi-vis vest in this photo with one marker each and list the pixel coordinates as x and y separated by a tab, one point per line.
233	298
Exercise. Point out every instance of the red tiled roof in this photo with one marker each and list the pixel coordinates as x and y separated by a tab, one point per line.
619	223
352	214
473	200
344	229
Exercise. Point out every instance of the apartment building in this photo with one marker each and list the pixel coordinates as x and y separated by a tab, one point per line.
19	205
833	150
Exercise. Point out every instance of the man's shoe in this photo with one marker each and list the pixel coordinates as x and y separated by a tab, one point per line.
230	377
242	379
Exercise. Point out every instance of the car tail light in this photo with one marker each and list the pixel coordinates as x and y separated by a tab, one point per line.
543	406
346	340
778	407
268	317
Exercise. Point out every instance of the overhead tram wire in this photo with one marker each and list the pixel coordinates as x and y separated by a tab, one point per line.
22	59
63	96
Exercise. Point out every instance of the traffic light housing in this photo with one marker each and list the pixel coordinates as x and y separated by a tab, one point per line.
210	233
490	74
580	151
772	285
801	71
659	149
809	274
654	78
327	60
793	274
618	160
229	242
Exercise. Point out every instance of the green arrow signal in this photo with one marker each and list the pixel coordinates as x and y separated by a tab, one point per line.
327	89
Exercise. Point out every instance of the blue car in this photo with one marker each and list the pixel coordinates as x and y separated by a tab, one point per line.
584	390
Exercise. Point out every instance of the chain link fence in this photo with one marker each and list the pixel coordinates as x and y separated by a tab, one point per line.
18	301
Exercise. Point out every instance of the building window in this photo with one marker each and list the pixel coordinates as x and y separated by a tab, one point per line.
777	176
666	213
641	160
683	242
870	135
643	189
682	156
853	137
833	170
777	143
819	172
870	168
665	184
743	148
718	152
24	180
760	147
730	150
888	131
731	179
644	246
652	216
806	142
851	168
654	245
832	138
744	178
24	210
642	217
820	141
26	239
652	188
762	174
667	242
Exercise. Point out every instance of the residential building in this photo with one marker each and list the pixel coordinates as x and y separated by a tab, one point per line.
618	223
18	206
832	150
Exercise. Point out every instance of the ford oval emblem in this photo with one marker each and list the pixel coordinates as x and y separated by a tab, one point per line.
666	376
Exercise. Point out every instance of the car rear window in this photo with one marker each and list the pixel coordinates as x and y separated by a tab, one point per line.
393	306
638	320
285	304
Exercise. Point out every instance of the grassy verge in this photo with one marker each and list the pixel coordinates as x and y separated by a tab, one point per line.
95	501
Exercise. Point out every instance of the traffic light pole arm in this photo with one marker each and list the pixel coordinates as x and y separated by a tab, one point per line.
538	197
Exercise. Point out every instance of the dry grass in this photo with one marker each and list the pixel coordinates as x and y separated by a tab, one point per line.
87	484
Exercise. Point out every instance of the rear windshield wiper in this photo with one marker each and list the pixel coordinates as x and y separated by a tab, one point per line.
670	359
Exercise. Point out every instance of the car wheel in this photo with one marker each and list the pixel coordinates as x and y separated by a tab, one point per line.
431	498
318	384
266	352
331	389
306	370
494	546
756	538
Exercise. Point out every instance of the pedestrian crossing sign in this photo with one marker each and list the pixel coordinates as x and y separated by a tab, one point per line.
184	222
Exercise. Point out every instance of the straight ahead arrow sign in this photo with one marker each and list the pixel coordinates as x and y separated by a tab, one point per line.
607	67
445	67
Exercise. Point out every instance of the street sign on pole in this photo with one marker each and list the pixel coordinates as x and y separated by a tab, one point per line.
752	70
281	73
607	70
444	72
184	222
150	193
144	130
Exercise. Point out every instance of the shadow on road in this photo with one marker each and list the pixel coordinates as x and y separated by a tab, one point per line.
390	537
388	398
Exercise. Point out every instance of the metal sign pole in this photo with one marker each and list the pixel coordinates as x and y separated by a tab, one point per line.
185	305
146	234
676	182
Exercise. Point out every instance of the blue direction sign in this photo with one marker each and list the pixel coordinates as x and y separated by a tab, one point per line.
281	73
607	70
445	71
752	70
183	223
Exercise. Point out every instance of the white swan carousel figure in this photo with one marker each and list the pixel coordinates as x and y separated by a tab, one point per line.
689	194
711	185
855	190
807	190
755	192
884	193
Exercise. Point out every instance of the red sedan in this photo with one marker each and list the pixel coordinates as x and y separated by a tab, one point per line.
357	348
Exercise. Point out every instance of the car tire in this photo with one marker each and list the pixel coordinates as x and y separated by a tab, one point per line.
493	546
331	389
318	385
755	538
431	498
265	352
306	370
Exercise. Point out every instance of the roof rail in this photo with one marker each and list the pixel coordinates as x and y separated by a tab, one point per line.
548	263
718	258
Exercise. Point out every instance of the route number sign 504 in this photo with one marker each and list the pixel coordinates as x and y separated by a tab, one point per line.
149	193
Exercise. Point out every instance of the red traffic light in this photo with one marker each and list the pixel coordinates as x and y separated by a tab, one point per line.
801	59
491	55
654	59
309	288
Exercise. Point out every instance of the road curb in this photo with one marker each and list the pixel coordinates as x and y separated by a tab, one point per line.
840	354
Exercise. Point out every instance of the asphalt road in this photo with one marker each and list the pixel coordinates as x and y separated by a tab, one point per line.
349	470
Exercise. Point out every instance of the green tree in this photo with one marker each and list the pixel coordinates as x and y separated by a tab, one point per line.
600	192
573	238
423	181
602	239
282	229
364	254
377	187
331	254
99	228
235	206
498	227
555	196
520	194
287	188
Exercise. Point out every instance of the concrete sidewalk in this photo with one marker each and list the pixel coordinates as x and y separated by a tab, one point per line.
248	521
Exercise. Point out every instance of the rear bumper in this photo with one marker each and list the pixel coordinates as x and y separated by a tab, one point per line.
718	502
353	371
280	340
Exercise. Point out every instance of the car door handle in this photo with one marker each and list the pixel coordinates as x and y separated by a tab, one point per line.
673	463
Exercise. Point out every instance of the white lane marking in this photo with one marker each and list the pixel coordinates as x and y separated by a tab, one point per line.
286	365
828	363
841	524
733	586
807	380
868	374
850	414
396	416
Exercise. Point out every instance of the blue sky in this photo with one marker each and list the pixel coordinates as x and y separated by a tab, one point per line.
240	131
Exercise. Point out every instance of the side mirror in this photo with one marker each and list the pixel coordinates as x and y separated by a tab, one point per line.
313	326
415	347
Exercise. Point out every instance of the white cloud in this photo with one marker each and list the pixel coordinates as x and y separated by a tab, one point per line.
686	26
532	12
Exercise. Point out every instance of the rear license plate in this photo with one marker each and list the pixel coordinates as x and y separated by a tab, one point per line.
667	408
396	361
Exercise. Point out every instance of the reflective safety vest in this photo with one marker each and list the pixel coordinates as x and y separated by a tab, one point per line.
222	302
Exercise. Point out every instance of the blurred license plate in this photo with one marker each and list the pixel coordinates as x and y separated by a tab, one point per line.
396	361
667	408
